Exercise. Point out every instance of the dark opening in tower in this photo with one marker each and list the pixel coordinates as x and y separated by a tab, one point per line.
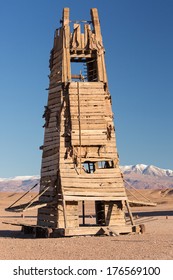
84	69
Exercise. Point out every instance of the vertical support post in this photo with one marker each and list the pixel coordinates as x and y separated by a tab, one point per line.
102	76
66	13
130	214
83	212
64	208
96	24
78	92
66	75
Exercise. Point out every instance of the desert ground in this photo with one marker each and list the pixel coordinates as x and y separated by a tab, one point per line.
155	244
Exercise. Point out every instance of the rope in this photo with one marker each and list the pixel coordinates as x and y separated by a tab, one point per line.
22	196
137	191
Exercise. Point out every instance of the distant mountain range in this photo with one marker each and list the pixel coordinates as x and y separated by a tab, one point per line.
140	176
19	183
143	176
147	170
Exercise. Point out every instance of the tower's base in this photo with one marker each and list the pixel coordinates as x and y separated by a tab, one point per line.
43	232
46	232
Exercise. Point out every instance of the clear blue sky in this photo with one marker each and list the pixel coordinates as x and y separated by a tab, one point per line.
138	38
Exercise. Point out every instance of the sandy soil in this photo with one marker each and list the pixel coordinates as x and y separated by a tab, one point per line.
155	243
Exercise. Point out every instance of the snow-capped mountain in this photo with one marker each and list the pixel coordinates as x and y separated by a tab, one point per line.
143	176
19	183
147	170
20	178
140	176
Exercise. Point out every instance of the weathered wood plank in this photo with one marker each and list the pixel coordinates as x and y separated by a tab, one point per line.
88	110
94	198
93	132
87	85
101	182
49	165
49	173
56	89
90	176
89	193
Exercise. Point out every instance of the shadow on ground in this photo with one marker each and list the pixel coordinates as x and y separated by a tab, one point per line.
15	234
153	213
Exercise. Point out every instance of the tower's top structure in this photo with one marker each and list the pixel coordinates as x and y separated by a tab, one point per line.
81	41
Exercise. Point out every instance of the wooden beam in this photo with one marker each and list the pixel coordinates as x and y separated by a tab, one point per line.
65	16
96	23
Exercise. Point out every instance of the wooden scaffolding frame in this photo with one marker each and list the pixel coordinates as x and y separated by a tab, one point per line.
80	162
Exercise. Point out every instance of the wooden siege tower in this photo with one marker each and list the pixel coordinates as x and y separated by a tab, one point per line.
80	165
